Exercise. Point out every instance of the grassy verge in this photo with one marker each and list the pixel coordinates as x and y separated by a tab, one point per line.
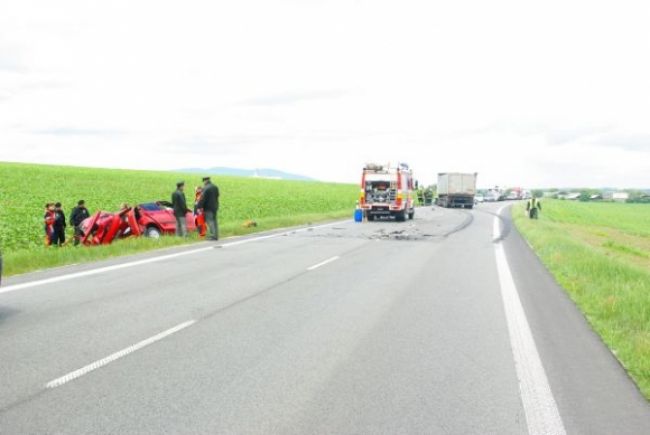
27	260
600	253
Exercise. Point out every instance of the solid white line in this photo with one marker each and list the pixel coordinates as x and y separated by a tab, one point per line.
315	227
99	270
117	355
542	415
255	239
272	236
323	263
496	229
55	279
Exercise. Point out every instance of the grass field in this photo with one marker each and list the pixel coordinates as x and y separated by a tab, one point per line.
25	189
600	253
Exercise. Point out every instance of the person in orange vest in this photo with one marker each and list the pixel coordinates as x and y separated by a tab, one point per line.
48	220
200	217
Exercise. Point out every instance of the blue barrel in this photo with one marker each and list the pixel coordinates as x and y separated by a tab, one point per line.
358	215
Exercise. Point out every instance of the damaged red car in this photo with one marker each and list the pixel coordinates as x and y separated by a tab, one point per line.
151	219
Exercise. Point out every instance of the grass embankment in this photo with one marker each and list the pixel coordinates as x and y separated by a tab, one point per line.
25	188
600	253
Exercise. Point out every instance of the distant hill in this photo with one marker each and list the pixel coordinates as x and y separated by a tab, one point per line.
238	172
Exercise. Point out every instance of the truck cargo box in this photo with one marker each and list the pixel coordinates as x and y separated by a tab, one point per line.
456	189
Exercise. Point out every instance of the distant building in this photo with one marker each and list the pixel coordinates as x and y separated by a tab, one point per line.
596	197
620	196
574	196
571	196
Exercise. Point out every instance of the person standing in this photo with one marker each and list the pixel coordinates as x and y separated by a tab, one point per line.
58	238
179	204
209	203
533	207
48	221
78	215
198	214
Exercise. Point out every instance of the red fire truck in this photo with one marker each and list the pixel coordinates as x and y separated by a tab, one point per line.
387	191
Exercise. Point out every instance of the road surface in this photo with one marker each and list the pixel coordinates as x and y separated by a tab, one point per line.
447	324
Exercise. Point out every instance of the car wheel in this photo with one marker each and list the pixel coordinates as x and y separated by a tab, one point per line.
152	232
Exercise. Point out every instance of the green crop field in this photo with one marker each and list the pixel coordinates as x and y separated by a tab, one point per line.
600	253
25	188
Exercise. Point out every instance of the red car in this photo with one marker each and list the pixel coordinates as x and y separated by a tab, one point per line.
151	219
156	218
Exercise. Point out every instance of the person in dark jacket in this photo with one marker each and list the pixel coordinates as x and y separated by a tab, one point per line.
209	203
78	215
58	238
179	204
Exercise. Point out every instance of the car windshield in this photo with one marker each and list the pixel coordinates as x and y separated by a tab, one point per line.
150	206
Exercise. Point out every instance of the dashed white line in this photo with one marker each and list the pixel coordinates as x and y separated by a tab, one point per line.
117	355
323	263
542	414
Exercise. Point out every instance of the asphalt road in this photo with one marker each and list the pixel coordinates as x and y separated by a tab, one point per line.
447	324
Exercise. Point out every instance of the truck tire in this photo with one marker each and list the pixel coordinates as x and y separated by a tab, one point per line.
412	215
371	217
400	216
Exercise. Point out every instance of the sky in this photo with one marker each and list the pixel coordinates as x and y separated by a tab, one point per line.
526	93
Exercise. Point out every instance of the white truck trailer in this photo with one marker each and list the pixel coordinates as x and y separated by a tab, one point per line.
456	189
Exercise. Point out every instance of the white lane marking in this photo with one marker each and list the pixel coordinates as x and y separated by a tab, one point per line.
243	242
105	269
542	414
496	228
323	263
99	270
117	355
272	236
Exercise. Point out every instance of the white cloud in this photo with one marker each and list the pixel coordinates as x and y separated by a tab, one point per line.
548	93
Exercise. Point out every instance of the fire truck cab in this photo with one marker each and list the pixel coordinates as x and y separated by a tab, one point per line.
387	191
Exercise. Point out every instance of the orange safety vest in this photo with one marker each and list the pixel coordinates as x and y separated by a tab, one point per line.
200	217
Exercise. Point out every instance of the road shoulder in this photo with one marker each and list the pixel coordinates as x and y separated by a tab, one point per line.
593	391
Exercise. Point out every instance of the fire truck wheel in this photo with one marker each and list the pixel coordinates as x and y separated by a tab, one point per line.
411	215
152	232
400	216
